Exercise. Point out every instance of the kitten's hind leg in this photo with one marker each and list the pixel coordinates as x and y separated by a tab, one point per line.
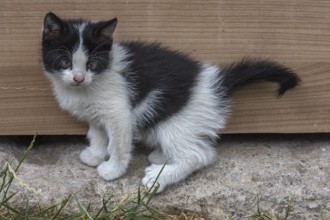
185	157
175	171
157	157
97	151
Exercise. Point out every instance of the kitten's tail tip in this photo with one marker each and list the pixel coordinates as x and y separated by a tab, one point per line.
251	70
289	83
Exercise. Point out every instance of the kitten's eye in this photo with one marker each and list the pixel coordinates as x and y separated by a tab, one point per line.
65	64
91	65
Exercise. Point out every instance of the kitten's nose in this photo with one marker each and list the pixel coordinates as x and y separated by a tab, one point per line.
79	77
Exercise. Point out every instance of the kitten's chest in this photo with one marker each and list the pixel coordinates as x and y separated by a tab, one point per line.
85	107
95	107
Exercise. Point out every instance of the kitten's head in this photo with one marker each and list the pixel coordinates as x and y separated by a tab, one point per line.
74	52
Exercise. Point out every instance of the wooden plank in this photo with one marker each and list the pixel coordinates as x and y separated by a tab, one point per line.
294	32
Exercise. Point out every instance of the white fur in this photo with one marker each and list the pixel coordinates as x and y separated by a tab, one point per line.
181	137
95	154
146	109
104	104
157	157
103	101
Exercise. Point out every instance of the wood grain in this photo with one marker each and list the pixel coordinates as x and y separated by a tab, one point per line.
293	32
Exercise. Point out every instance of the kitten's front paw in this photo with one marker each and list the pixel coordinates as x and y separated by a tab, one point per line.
150	177
89	157
110	171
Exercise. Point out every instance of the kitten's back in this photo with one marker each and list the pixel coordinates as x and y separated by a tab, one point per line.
156	68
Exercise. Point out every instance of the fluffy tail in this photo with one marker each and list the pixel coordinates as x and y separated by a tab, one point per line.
248	71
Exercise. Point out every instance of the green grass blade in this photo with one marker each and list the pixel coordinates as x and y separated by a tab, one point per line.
160	172
152	194
11	209
26	153
103	208
6	199
139	195
3	174
72	216
64	203
26	209
152	211
83	210
8	184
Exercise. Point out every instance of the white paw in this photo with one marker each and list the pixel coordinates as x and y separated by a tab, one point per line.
110	171
157	157
151	174
89	157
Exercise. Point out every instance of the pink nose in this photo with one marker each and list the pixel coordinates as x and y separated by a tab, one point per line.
79	77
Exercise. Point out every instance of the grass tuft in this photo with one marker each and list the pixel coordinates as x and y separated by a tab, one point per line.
136	206
267	215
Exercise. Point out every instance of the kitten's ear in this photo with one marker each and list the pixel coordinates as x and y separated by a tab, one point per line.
53	26
105	29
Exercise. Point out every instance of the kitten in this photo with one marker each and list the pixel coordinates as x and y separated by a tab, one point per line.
134	91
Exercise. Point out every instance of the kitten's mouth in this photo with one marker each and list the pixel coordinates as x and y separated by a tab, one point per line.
75	84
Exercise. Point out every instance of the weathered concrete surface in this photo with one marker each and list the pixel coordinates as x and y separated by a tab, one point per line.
271	167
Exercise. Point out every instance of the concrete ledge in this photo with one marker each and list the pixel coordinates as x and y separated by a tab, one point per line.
271	167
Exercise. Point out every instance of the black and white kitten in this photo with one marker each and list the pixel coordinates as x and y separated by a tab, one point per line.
134	91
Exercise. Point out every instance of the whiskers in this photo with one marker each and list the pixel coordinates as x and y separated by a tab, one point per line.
99	59
62	49
57	55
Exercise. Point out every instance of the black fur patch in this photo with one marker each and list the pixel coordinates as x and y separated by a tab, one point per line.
249	70
60	44
60	48
157	68
97	48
